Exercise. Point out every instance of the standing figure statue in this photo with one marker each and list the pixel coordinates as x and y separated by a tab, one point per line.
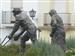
58	33
25	23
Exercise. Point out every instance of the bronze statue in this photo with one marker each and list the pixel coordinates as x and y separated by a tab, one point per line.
58	32
23	21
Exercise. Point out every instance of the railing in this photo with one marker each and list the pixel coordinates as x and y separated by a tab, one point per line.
8	18
66	17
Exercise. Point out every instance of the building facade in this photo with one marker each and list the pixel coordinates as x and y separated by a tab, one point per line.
65	9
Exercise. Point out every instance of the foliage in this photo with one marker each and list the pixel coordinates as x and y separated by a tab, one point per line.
45	49
71	52
40	48
70	42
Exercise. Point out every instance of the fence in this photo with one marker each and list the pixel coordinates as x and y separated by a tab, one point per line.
66	17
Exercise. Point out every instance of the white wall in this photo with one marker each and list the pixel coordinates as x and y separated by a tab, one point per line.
43	7
16	3
74	6
29	4
0	12
6	5
0	17
60	6
71	9
73	15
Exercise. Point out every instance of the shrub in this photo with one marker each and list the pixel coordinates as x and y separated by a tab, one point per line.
8	50
44	49
40	48
70	42
71	52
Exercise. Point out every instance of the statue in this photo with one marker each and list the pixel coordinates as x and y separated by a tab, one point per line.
26	24
58	32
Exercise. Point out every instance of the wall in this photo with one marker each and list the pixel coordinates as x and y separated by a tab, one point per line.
5	6
16	4
30	4
61	6
43	7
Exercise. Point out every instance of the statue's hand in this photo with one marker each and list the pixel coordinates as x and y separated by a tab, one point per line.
16	37
9	37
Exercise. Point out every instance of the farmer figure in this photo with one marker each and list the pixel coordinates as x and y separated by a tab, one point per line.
58	33
25	23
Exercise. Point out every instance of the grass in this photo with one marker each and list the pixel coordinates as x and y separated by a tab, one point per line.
8	51
40	48
70	42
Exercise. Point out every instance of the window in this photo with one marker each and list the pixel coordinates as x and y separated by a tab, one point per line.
6	8
6	17
65	17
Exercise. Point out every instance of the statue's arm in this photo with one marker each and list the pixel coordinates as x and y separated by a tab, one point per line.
15	28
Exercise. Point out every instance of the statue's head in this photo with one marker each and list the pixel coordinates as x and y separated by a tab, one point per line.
52	12
16	11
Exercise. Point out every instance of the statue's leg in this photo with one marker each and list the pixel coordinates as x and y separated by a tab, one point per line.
23	41
60	40
33	36
63	41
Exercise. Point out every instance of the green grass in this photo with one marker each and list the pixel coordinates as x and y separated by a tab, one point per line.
70	42
8	51
40	48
